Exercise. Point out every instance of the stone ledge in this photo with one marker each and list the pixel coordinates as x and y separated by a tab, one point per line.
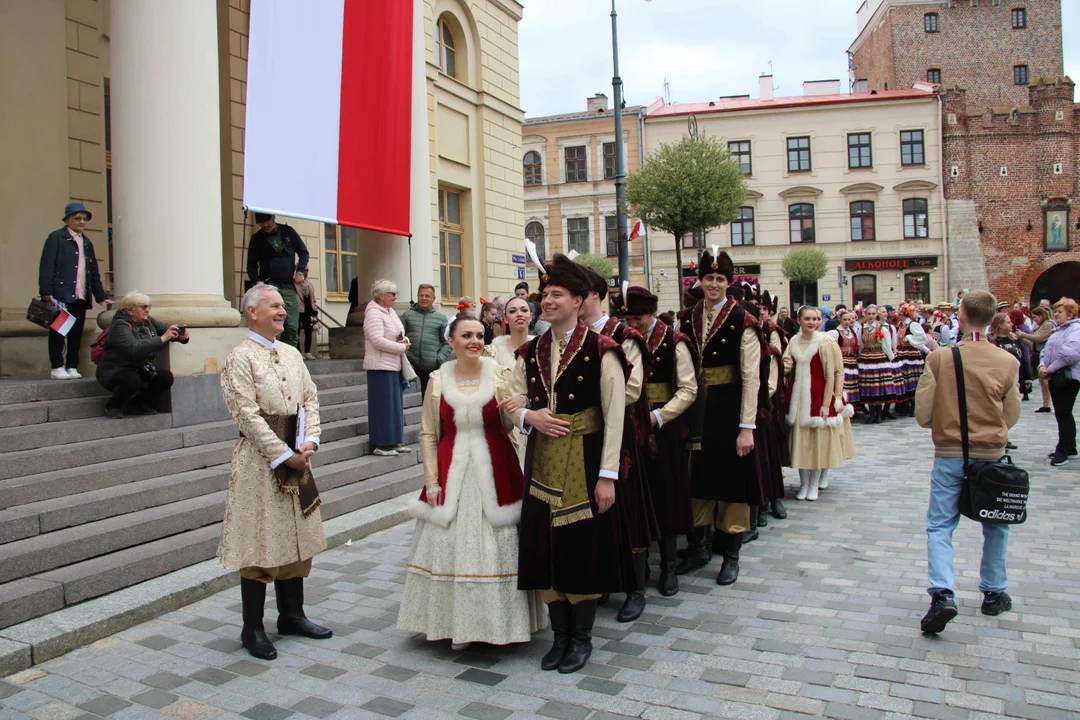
50	636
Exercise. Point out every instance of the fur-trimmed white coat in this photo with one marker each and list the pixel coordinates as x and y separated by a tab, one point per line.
797	361
471	453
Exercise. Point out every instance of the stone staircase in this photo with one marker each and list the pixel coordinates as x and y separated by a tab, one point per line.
90	505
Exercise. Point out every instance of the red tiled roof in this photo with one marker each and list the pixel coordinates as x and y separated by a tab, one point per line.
780	103
580	116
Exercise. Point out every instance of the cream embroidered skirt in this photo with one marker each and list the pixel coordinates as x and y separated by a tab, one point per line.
462	580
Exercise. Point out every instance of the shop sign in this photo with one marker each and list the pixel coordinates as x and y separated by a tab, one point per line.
907	263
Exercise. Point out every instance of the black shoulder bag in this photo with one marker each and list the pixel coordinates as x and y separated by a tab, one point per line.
995	491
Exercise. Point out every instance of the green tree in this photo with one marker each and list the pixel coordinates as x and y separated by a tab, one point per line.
603	266
690	185
804	266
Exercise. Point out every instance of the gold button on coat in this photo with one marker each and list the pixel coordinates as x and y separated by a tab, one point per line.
580	378
570	396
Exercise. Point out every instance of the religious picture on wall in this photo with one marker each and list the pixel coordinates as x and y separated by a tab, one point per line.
1057	229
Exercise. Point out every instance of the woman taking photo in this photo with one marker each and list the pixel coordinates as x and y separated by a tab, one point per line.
384	354
462	571
1044	326
1060	366
820	423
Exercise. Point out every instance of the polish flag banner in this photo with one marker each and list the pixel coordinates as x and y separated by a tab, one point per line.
637	231
329	111
63	322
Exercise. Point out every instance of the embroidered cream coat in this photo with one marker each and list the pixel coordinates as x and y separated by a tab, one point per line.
263	526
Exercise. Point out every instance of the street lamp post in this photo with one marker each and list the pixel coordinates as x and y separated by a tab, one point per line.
620	170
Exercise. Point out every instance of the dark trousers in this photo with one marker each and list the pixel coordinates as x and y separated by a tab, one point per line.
131	386
305	325
74	338
1063	398
422	376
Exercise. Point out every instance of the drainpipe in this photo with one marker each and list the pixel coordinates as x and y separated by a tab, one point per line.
641	161
941	198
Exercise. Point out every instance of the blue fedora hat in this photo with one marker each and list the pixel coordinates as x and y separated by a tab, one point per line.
75	207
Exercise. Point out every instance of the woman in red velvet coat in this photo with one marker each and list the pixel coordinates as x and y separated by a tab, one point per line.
462	580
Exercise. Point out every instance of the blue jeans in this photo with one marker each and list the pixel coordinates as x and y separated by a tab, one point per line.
942	516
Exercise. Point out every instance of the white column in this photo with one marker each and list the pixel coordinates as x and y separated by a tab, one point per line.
166	155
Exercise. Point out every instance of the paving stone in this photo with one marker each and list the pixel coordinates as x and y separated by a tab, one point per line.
397	674
105	705
482	711
156	699
363	650
316	707
483	662
599	685
387	706
212	676
265	711
563	711
204	624
323	672
248	668
482	677
157	642
165	681
224	645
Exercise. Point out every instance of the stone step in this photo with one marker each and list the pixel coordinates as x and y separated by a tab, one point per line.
85	467
30	597
32	389
326	366
43	411
329	381
13	439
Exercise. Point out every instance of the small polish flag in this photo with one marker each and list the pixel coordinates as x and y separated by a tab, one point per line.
636	232
63	322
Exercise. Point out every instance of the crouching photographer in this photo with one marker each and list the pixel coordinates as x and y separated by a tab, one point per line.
126	367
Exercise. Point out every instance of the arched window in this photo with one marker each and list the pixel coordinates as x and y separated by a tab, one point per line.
535	231
533	169
447	49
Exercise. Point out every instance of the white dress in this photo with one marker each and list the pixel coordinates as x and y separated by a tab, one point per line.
462	577
499	349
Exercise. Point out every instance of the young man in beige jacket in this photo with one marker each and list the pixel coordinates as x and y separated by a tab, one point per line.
993	406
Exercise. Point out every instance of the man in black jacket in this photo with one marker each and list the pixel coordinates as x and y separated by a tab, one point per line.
277	256
68	274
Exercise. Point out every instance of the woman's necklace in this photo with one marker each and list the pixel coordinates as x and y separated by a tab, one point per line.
469	383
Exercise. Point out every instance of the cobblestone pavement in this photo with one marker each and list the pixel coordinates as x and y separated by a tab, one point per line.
823	622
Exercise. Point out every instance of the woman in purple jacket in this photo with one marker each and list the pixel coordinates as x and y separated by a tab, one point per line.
1060	363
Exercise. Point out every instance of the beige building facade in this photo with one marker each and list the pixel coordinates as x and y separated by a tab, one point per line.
568	167
167	198
856	176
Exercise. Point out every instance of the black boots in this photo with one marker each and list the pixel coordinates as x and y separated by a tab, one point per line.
763	516
291	619
582	617
875	415
776	506
697	554
749	536
559	615
729	571
887	413
668	584
635	599
253	636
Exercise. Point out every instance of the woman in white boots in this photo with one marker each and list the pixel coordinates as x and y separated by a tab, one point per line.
462	580
817	411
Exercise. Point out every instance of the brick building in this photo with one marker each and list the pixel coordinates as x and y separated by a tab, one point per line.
990	48
1010	132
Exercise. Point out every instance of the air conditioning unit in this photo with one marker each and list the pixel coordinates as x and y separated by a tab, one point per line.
1004	171
954	171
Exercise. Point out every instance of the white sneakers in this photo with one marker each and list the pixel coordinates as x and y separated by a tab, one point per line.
385	452
309	356
73	374
59	374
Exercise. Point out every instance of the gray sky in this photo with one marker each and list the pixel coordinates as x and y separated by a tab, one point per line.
705	48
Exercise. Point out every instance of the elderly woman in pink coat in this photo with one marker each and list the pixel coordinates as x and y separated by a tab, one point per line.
384	356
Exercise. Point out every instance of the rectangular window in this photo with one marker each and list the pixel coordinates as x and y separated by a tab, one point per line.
933	75
340	245
862	221
915	219
917	287
864	289
611	235
690	240
609	160
1020	74
912	151
742	227
930	22
451	231
576	167
578	235
740	153
798	154
801	218
1019	18
858	149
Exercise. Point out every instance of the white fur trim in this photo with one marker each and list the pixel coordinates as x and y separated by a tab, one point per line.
470	451
800	391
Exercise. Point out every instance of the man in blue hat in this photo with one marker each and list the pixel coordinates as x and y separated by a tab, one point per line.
277	256
68	274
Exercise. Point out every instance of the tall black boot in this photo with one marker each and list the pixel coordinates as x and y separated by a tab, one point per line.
668	583
887	413
697	555
635	599
763	516
582	617
776	506
291	618
710	538
559	615
749	536
875	415
729	571
253	636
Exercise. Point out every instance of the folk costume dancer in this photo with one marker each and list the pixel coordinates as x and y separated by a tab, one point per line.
670	389
821	436
771	411
722	469
635	505
876	384
272	526
887	327
462	578
849	341
911	349
504	351
573	546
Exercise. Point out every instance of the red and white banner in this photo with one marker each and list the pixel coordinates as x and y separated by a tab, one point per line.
329	111
63	322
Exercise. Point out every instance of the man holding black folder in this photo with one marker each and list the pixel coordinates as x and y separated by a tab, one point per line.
272	525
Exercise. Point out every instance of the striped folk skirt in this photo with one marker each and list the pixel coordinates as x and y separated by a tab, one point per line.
911	361
877	378
851	378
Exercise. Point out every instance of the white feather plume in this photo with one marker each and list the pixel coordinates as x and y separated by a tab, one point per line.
715	251
530	250
625	287
572	254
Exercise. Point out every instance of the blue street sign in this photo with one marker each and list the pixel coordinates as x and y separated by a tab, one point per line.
521	273
517	259
825	297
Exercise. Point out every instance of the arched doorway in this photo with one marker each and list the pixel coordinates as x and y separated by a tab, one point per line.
1061	280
